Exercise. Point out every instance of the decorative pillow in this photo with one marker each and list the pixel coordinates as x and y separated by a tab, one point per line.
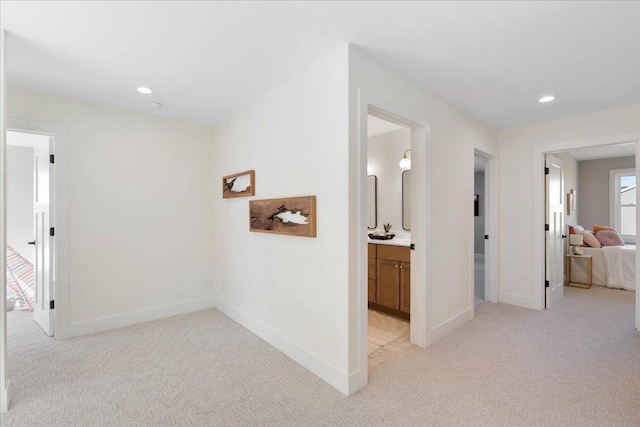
579	229
609	238
597	228
590	239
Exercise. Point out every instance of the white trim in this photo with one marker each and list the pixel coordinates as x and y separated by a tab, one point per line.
450	325
513	299
135	317
5	395
338	379
478	256
537	285
59	174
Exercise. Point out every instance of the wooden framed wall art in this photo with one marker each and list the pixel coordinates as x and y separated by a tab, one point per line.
239	185
295	216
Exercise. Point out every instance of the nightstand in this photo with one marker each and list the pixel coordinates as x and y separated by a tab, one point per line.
587	258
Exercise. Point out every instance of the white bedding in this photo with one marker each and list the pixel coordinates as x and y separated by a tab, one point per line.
612	266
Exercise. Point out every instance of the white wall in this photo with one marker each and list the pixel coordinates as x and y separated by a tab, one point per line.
570	175
291	291
453	136
20	200
140	210
478	221
516	187
593	200
384	154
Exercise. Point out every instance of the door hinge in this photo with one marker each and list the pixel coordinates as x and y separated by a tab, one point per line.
52	231
546	227
412	246
486	237
546	171
52	305
52	158
546	283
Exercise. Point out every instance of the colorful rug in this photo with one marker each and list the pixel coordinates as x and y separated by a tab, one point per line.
20	280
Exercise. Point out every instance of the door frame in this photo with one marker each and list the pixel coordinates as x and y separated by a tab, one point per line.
59	201
490	228
538	289
420	145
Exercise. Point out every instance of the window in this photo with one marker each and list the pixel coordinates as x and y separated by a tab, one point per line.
623	203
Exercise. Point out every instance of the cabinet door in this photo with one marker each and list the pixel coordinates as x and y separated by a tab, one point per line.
405	287
388	292
372	290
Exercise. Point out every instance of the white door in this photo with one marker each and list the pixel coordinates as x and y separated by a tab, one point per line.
42	312
555	220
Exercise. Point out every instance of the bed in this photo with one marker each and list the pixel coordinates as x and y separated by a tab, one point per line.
612	266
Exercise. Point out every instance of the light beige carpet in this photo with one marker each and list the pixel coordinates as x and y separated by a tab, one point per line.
575	365
388	336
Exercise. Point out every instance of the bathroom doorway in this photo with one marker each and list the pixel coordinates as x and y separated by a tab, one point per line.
389	239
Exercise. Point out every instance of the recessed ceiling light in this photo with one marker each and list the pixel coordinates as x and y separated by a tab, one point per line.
153	104
547	98
145	90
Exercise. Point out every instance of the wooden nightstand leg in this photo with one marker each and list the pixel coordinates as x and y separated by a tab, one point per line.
589	272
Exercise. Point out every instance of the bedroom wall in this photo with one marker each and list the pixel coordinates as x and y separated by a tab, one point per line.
140	210
384	153
570	182
516	186
593	176
20	200
478	221
290	291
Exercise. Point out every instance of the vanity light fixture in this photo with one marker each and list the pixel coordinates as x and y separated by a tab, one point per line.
547	98
405	163
144	90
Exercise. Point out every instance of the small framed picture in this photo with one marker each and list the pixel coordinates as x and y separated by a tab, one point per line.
239	185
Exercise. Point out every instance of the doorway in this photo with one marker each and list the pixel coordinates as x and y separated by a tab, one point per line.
389	239
609	145
484	241
30	229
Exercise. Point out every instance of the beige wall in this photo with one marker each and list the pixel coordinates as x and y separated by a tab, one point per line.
570	172
593	179
384	154
140	210
20	200
516	186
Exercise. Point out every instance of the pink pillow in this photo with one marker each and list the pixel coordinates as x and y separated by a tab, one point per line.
609	238
590	239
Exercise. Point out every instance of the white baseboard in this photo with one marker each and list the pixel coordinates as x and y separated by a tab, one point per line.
478	256
519	300
326	372
450	325
135	317
5	398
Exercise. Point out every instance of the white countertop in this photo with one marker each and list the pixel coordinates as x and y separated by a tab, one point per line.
396	241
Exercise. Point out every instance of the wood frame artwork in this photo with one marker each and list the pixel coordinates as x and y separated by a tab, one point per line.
295	216
243	178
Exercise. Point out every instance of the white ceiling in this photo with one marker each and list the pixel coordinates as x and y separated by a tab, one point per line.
478	163
376	126
208	59
604	152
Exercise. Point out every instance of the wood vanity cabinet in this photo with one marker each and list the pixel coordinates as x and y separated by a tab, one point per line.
390	280
372	273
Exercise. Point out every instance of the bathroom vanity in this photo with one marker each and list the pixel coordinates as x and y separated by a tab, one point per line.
390	276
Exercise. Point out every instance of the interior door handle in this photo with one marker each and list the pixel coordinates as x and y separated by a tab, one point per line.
32	243
564	237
